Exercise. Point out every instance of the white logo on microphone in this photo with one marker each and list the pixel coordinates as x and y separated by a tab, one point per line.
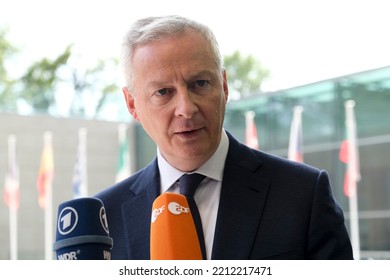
176	209
103	219
67	220
156	212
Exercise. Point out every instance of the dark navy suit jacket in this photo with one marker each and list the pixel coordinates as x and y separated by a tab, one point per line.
270	208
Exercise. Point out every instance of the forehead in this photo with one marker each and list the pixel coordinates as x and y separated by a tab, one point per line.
176	44
186	52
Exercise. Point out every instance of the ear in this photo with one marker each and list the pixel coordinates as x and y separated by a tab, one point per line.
130	102
225	85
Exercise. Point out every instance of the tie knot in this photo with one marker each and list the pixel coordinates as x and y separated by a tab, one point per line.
189	183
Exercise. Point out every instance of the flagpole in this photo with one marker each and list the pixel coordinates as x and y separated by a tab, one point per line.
354	177
354	224
49	207
124	166
80	176
83	145
13	215
13	233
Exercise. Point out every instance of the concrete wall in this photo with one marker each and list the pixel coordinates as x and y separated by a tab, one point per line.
102	156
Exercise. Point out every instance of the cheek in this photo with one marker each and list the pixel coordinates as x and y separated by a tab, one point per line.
155	120
143	110
220	109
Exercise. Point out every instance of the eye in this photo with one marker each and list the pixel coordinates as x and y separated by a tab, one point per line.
201	83
162	91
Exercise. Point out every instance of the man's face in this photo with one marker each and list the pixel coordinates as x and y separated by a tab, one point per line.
179	97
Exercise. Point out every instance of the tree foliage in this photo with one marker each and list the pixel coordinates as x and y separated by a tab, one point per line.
40	81
7	97
245	74
41	85
92	84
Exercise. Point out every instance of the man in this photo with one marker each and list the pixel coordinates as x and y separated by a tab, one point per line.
252	205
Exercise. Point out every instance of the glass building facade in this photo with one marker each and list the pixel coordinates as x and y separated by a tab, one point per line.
323	126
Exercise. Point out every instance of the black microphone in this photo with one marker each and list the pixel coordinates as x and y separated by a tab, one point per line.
82	230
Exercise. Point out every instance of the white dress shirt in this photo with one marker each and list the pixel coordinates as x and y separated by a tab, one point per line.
208	192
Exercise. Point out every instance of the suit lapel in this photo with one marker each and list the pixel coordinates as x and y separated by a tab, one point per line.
137	211
243	195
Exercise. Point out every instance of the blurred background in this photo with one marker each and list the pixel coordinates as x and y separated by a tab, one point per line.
309	81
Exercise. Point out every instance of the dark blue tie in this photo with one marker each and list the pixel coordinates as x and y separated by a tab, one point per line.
188	184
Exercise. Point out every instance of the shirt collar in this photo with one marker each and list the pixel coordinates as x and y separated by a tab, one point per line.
212	168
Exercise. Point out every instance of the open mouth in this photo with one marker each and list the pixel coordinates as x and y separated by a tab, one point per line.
191	132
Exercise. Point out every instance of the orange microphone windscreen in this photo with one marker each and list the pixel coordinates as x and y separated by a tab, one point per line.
173	233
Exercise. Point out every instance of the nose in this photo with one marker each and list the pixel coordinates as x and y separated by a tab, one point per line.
185	104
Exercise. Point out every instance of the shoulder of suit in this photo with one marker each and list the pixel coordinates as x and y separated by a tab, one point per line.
268	160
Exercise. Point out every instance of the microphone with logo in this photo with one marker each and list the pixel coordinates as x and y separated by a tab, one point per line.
82	230
173	233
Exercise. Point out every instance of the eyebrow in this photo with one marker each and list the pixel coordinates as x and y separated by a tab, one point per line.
199	75
203	74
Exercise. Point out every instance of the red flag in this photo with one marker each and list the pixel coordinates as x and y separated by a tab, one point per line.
251	139
46	170
11	192
295	147
349	152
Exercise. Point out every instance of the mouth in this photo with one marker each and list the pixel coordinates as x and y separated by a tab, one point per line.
189	132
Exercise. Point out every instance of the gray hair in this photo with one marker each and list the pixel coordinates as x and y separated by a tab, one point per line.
151	29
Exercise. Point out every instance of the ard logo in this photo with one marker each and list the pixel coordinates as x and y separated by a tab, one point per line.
103	219
67	220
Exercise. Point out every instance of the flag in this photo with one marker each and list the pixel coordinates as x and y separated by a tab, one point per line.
123	167
295	147
79	183
251	139
11	186
12	196
349	153
46	171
